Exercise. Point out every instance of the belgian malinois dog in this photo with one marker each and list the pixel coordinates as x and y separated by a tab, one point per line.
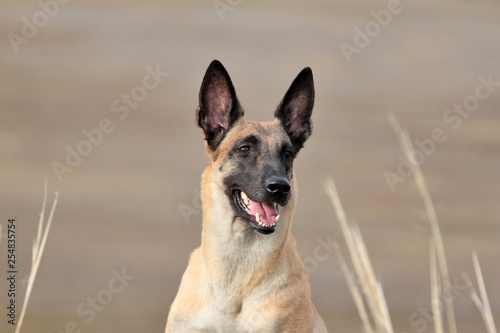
247	275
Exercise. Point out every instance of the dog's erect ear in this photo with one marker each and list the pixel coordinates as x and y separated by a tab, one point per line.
294	111
219	108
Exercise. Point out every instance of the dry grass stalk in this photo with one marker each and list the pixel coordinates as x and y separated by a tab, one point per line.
409	153
38	247
355	292
436	291
369	289
485	308
481	299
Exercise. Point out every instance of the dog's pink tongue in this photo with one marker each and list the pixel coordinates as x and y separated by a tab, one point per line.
267	212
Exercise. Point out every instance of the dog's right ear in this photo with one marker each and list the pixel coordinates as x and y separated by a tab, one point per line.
219	108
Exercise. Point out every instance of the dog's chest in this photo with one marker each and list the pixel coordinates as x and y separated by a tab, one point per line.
247	321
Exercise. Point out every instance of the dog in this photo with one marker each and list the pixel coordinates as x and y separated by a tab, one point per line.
247	275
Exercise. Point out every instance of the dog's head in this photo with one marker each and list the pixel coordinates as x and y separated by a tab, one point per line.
254	161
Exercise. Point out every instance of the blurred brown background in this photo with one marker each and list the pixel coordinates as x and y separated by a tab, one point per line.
64	67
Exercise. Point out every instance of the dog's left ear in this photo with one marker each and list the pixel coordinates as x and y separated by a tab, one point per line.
294	111
219	108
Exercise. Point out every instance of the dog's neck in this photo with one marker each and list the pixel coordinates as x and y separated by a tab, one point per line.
234	255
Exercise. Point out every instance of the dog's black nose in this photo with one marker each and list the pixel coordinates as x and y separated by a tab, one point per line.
275	184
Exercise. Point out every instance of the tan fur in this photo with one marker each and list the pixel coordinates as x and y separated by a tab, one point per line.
239	280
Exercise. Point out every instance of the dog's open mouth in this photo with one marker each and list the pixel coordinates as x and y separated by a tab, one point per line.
262	216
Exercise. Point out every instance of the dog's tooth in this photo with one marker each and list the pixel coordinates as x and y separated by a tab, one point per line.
257	217
244	197
276	219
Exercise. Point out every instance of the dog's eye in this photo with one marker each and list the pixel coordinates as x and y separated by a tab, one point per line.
288	154
244	150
